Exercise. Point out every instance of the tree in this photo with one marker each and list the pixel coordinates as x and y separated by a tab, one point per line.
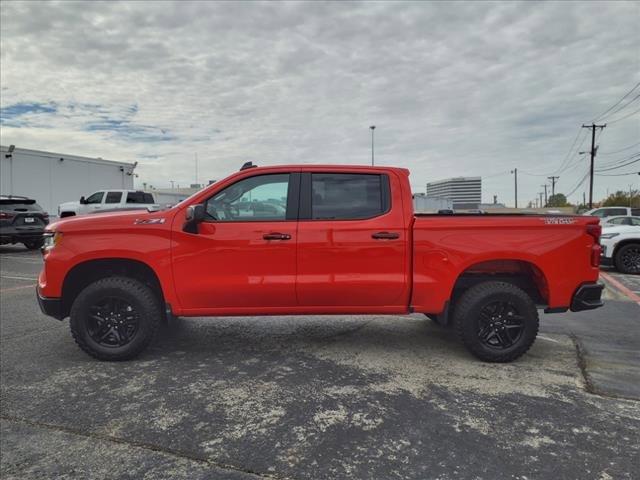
558	200
622	199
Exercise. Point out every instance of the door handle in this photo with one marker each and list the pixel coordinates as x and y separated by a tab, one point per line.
385	236
276	236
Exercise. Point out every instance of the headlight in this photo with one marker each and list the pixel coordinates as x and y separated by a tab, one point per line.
607	236
51	239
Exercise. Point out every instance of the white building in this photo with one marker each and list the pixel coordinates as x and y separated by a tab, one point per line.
462	191
53	178
424	204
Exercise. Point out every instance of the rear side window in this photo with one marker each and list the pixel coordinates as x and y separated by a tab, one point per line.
635	212
635	221
612	212
347	196
113	197
619	221
138	197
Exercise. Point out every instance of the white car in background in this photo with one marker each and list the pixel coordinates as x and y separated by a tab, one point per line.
621	248
621	220
108	200
604	212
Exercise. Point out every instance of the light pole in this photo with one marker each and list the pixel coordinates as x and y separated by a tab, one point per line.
515	172
372	127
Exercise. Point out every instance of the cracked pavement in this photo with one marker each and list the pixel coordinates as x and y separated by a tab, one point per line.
316	397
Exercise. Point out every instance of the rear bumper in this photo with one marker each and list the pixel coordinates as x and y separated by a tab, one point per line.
50	306
587	297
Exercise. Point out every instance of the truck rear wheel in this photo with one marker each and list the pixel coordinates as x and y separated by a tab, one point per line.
496	321
115	318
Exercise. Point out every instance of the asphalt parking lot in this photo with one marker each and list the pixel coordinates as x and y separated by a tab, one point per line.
317	397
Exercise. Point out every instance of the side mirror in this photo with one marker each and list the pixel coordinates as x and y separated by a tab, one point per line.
193	216
82	201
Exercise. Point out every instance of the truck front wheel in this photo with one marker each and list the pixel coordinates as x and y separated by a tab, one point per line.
496	321
115	318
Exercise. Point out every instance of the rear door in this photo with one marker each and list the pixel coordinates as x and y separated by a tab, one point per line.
352	242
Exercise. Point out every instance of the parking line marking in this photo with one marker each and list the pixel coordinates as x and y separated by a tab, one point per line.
21	287
622	288
548	339
11	277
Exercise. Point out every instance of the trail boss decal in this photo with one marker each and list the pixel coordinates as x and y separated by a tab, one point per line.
559	220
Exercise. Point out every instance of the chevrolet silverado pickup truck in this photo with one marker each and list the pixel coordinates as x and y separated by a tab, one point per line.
321	239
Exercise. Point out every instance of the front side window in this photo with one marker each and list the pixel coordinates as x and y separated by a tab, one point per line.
95	198
635	212
618	221
259	198
340	196
635	221
113	197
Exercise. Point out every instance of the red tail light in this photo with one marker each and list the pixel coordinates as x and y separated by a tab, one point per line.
595	230
6	216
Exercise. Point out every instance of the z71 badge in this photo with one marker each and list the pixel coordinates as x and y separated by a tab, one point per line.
148	221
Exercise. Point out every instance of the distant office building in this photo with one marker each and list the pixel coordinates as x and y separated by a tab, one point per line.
460	190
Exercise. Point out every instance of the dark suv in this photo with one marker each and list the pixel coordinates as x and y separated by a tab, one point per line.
22	220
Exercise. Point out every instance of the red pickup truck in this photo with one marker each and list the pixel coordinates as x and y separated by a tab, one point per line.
301	240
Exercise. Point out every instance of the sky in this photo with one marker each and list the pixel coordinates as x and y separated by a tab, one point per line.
453	88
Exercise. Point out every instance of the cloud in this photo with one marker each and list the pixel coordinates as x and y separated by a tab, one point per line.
454	88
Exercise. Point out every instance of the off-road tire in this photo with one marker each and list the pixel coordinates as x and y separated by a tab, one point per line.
627	258
137	294
467	320
34	244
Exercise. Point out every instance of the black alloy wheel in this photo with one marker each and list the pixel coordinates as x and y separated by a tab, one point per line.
628	258
500	325
113	322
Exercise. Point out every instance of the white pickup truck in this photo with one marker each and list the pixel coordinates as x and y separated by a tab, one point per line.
108	200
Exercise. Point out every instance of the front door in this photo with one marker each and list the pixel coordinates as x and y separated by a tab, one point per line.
244	255
352	245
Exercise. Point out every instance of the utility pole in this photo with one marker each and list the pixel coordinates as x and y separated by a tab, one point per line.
553	184
584	199
593	127
372	127
540	193
545	194
196	168
515	172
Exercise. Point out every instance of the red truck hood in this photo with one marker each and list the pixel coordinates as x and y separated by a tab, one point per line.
109	220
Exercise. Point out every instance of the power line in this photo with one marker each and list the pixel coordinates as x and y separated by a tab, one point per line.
626	116
622	107
618	166
599	117
618	161
616	174
620	150
579	184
